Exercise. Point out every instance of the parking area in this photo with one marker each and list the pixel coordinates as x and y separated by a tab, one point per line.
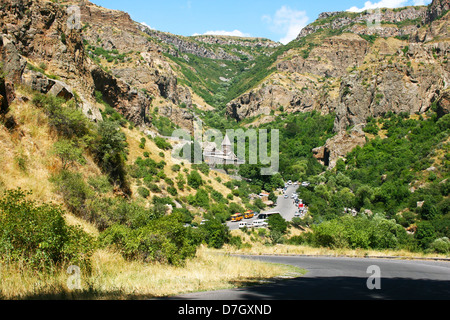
289	205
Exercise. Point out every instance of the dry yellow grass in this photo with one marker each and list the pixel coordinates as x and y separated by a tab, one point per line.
26	157
113	277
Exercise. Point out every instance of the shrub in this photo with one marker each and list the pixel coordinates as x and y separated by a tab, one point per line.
68	152
359	232
172	191
109	149
75	192
100	184
194	180
201	199
63	117
215	233
162	143
143	192
277	224
142	143
163	240
441	245
38	235
425	234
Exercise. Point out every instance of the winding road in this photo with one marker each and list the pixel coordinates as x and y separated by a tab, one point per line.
341	278
285	206
345	279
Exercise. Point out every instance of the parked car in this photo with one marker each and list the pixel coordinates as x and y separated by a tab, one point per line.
256	224
243	225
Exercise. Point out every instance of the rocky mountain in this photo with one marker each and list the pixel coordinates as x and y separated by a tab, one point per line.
354	65
107	56
358	65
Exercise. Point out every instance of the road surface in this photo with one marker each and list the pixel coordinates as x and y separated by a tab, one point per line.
286	207
346	279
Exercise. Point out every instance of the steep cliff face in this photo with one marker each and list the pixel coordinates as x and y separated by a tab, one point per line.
39	32
437	9
408	82
36	33
119	46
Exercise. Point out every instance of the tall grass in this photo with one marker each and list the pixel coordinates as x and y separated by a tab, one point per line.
112	277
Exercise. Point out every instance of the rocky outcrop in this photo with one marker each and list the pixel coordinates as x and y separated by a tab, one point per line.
6	96
142	73
128	101
389	22
400	66
38	31
296	86
186	45
331	58
184	118
339	146
354	77
270	98
391	87
437	9
236	41
443	104
12	65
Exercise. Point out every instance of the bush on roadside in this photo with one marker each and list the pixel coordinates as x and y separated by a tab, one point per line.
163	240
359	232
441	245
38	235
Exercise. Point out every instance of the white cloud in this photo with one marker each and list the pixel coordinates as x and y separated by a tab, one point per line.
235	33
388	4
288	22
145	24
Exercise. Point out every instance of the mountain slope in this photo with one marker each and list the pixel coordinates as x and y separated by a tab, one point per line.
343	64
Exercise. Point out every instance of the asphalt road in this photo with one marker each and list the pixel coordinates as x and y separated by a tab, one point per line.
286	207
345	279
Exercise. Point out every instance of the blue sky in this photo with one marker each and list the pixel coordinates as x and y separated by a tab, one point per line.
273	19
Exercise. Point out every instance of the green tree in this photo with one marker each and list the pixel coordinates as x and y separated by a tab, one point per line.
216	234
194	180
201	198
425	234
273	197
68	152
278	227
110	150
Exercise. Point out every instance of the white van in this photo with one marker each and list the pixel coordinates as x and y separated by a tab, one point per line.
243	225
260	224
256	223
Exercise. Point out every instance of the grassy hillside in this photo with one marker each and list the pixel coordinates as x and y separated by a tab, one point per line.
111	202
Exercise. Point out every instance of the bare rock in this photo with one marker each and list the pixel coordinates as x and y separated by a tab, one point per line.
443	104
339	146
